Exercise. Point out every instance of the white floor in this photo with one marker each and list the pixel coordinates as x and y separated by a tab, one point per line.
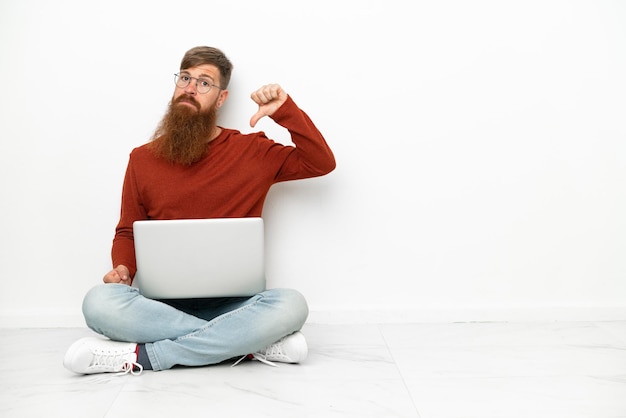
481	370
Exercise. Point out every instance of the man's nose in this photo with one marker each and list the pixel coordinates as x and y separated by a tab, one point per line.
191	87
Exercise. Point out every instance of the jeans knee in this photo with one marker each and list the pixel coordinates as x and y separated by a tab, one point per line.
101	302
293	305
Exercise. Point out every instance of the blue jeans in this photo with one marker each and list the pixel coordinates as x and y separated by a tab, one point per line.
194	332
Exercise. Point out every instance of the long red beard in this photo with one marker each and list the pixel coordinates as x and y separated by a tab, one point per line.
183	134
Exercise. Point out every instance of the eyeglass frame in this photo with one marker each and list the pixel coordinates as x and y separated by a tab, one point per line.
177	77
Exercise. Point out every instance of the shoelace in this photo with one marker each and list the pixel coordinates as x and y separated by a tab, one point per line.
256	356
129	367
111	361
274	351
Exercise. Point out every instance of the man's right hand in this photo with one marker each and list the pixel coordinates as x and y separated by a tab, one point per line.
119	274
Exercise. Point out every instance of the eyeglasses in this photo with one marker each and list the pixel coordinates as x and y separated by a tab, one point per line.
203	85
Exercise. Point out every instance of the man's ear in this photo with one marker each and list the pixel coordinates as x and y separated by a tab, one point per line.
222	98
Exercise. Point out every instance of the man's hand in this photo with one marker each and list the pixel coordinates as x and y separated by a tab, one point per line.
269	98
119	274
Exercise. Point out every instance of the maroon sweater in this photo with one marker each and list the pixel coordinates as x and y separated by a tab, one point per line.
232	180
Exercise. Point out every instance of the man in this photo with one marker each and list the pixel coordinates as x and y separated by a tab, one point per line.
193	168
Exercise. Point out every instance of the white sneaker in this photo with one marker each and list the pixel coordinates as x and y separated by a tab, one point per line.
96	355
290	349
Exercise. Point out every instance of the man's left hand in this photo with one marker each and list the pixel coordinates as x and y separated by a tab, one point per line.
269	98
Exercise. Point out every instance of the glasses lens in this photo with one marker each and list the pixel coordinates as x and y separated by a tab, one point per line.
203	86
181	80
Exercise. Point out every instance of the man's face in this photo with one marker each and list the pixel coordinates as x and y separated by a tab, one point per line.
190	121
189	95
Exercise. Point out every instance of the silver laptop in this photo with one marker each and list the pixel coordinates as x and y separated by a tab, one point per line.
199	258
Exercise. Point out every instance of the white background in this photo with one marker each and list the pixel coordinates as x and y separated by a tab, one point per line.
481	149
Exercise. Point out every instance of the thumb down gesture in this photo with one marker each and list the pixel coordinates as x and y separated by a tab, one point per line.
269	98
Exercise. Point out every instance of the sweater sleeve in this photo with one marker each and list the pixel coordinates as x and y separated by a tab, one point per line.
311	156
